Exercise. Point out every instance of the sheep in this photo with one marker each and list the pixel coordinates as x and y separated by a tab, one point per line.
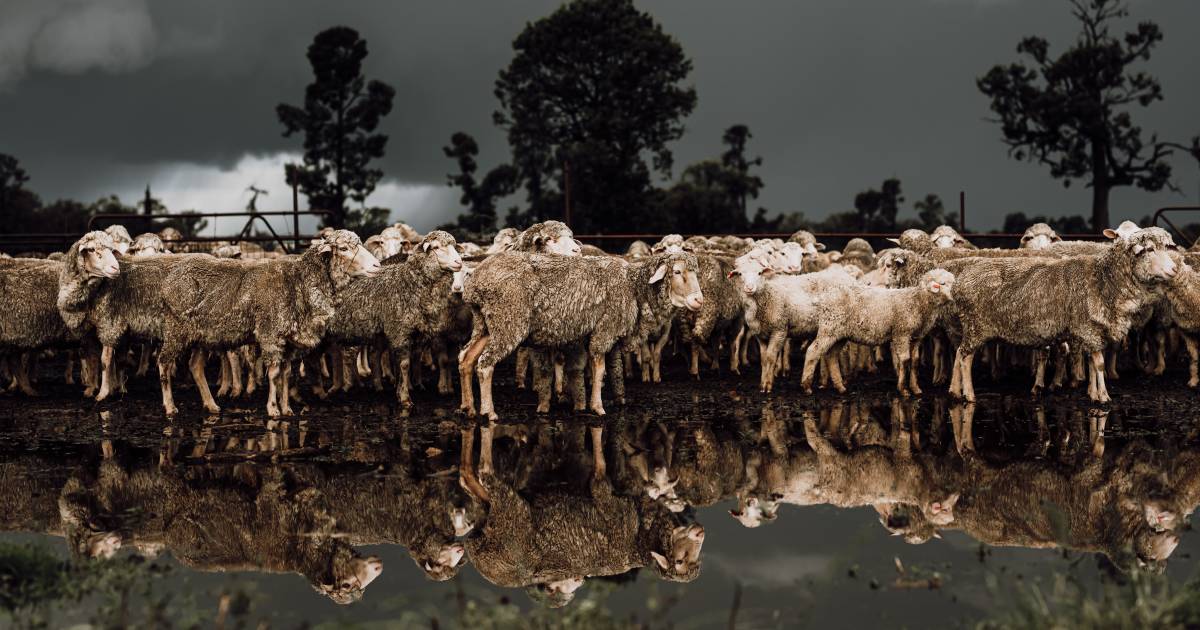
395	240
859	253
915	240
806	239
945	236
148	244
283	305
553	301
374	244
722	310
873	316
1039	236
170	236
1089	300
120	237
407	232
637	250
424	282
1183	307
503	241
470	250
31	321
780	307
549	236
671	243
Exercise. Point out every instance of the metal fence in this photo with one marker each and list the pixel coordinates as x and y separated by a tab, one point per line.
1162	218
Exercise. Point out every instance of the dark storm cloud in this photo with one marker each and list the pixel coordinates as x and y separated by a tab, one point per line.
839	94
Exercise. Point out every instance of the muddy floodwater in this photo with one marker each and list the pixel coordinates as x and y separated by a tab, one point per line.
698	504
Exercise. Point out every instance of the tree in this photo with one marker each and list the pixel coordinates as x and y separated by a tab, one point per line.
877	209
702	202
340	114
592	90
479	197
1016	222
931	213
743	184
1071	112
12	183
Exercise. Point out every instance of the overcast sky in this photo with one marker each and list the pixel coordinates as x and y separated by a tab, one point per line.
106	96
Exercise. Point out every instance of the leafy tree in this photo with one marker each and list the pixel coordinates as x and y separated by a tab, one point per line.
12	183
931	212
743	184
702	201
877	209
1071	112
340	114
592	90
479	197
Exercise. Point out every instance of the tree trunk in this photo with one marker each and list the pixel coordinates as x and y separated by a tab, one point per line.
1100	187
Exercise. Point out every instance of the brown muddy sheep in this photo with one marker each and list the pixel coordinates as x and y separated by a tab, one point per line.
552	301
282	305
1088	300
419	303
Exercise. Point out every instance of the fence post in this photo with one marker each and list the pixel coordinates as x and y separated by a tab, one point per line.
962	211
295	218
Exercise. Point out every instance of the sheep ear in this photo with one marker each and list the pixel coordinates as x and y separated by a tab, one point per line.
835	256
733	273
894	240
425	246
733	513
820	247
325	247
1110	233
1137	249
1056	238
238	255
661	560
658	274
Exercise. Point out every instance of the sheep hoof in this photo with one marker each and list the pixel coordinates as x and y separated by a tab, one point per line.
1193	383
1036	392
172	410
214	410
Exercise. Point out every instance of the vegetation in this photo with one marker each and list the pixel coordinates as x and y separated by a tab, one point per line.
339	117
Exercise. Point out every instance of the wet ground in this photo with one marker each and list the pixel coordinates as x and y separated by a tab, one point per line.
850	510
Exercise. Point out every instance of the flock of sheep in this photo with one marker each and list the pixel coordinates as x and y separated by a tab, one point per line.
345	311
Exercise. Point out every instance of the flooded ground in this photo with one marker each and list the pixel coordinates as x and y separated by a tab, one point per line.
698	504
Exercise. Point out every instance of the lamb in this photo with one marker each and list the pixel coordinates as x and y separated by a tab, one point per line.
553	301
424	281
778	307
148	244
283	305
120	237
1089	300
719	315
873	316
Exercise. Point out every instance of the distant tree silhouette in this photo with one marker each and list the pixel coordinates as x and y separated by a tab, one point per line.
480	197
931	213
1016	222
1071	112
877	209
338	119
12	182
742	184
592	89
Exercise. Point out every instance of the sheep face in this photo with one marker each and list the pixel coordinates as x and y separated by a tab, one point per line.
444	564
903	520
460	279
146	245
351	579
391	241
939	282
793	257
120	237
670	244
102	545
941	513
752	268
348	253
1125	229
440	245
1039	236
1150	249
96	255
1154	548
945	236
753	512
682	560
684	288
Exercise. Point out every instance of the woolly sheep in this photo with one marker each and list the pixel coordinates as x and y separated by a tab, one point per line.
148	244
120	237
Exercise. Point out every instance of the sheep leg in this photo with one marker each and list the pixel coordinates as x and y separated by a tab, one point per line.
466	467
1039	378
816	351
445	381
1193	350
966	360
196	364
166	371
466	370
69	370
107	372
694	362
364	363
23	374
768	357
833	364
559	374
597	405
285	389
543	373
318	381
645	359
1101	391
913	361
1111	365
223	381
900	366
273	372
235	373
939	361
734	351
1160	351
599	468
374	358
616	375
656	358
523	358
89	372
144	360
574	375
785	362
404	355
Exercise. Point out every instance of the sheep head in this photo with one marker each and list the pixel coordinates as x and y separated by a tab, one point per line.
392	241
939	282
752	267
349	578
944	236
94	254
443	563
684	279
681	562
1039	236
120	237
551	237
146	245
670	244
441	246
346	253
1150	249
